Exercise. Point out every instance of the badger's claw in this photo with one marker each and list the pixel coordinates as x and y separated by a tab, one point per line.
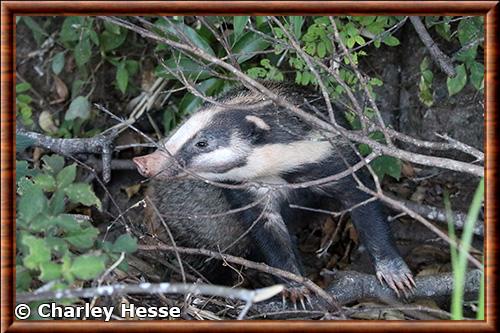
396	275
296	292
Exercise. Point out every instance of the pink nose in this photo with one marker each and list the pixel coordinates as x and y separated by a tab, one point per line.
142	166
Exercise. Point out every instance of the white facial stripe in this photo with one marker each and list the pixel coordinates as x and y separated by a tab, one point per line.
215	158
223	156
274	159
188	130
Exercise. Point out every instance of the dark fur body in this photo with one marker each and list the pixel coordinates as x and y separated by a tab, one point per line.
184	205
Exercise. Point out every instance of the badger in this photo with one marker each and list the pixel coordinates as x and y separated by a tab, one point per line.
259	150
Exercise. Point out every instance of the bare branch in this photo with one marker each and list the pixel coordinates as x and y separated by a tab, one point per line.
441	59
439	215
252	296
352	286
100	144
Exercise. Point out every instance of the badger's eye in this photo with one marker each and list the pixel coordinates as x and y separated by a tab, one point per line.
201	144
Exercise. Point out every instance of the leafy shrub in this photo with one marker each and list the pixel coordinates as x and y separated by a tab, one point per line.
468	33
52	245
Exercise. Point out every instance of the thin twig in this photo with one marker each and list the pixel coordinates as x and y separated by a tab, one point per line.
441	59
253	296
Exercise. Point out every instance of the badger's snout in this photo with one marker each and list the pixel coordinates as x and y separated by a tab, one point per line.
142	165
157	164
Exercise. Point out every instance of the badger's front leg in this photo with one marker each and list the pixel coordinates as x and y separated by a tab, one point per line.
272	239
375	234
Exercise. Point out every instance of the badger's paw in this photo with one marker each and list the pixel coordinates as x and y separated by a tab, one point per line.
396	275
296	292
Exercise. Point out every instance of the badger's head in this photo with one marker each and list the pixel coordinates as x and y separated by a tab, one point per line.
224	144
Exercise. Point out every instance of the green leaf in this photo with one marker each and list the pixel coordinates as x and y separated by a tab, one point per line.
391	41
82	193
42	223
249	43
94	38
22	170
424	64
239	23
310	48
22	87
71	27
189	68
66	176
67	223
23	278
58	245
260	20
122	77
82	51
45	181
366	20
321	49
210	87
22	98
387	165
112	28
57	204
360	40
39	252
58	63
350	43
257	72
76	87
26	113
425	95
132	67
33	25
66	268
125	243
444	30
23	142
376	82
174	29
53	163
79	108
109	41
467	55
82	239
477	75
297	22
39	33
456	84
469	30
32	202
363	148
49	271
87	267
428	76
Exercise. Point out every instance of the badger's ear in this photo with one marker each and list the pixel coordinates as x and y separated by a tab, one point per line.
258	123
